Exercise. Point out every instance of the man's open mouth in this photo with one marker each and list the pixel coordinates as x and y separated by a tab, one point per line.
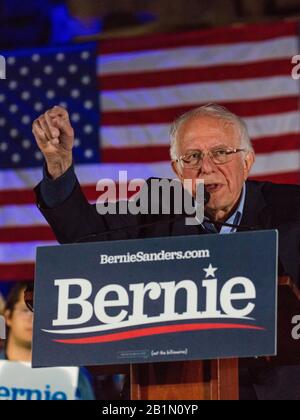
212	188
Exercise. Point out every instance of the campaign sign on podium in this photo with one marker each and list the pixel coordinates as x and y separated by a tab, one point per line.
156	300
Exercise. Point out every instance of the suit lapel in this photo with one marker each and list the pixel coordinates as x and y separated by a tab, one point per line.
256	213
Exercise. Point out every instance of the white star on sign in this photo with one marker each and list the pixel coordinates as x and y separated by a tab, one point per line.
210	271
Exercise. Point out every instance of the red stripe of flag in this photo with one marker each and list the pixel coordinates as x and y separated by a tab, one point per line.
44	233
12	197
163	78
16	197
26	234
260	107
221	36
153	154
21	271
26	196
148	154
285	143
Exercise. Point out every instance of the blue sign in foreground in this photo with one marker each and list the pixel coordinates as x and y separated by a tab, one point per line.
153	300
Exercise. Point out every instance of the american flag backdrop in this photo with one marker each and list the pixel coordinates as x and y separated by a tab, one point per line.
122	95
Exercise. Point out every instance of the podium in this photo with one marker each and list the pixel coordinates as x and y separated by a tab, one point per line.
214	380
201	380
178	327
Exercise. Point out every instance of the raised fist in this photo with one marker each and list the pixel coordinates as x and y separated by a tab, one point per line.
55	138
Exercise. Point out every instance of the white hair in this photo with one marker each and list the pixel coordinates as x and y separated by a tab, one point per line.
215	111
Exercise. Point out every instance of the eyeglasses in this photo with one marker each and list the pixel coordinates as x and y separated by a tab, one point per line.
194	160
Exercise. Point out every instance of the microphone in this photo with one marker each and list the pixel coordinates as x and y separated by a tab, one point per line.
238	227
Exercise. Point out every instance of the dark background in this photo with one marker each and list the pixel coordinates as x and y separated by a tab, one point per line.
34	23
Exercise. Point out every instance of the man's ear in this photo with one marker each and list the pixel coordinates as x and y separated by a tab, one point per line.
249	160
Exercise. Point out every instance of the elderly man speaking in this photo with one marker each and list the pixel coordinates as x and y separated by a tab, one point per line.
208	143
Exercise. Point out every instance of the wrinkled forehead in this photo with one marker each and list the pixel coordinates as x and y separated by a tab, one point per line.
203	132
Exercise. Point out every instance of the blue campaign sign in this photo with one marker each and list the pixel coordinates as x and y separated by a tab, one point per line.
153	300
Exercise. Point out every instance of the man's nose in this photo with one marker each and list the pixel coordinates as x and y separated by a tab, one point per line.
207	166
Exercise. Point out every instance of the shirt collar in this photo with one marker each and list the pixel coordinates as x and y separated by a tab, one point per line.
234	219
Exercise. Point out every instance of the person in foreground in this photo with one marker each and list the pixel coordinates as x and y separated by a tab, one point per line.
208	143
18	346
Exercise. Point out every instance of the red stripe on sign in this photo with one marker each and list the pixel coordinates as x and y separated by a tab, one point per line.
233	35
166	115
26	234
22	271
281	178
175	77
147	332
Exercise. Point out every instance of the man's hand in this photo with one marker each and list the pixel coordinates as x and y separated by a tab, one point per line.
55	137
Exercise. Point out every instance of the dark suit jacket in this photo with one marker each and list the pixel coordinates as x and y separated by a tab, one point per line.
267	206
